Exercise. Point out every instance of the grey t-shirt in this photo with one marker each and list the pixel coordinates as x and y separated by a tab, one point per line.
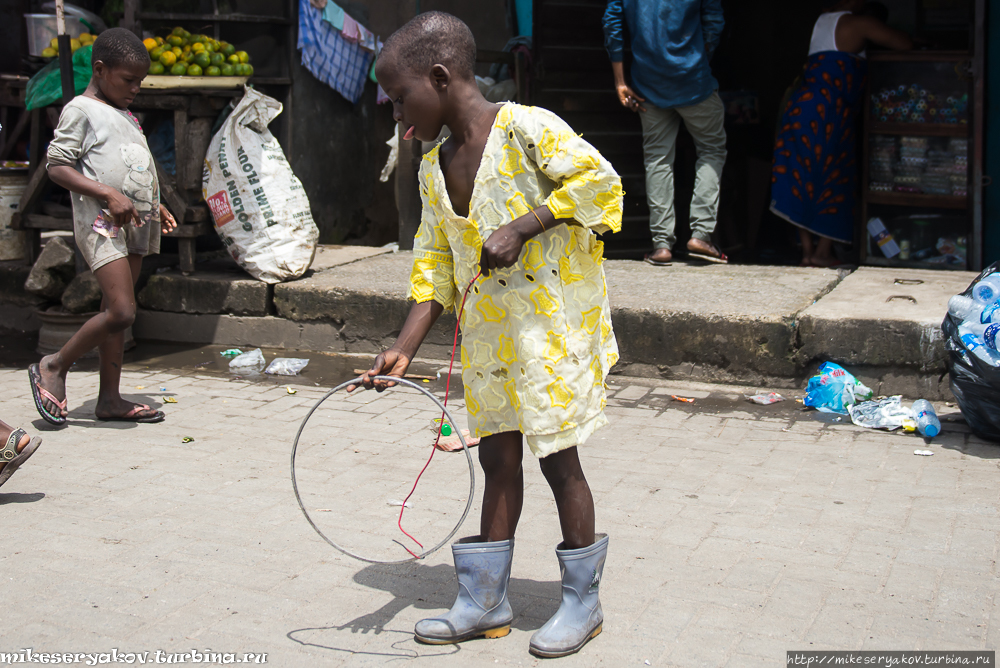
106	145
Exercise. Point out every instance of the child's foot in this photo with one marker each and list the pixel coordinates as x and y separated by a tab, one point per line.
53	382
15	449
118	409
5	433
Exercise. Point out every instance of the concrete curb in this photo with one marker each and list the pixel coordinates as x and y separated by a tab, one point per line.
750	325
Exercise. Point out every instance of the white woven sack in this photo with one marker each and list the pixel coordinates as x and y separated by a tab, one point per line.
260	210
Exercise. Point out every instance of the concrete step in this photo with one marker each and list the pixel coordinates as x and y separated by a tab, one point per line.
750	325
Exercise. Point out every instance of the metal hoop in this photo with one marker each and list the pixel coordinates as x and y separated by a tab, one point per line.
465	448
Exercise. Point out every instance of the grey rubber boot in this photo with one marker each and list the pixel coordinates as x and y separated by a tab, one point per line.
579	617
482	608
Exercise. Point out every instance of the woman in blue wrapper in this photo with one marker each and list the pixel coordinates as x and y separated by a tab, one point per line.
814	177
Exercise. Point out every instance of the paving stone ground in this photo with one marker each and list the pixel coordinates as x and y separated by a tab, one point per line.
737	532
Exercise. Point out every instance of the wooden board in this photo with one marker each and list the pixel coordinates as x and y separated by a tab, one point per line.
161	82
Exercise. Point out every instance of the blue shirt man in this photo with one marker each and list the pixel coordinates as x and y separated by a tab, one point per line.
672	43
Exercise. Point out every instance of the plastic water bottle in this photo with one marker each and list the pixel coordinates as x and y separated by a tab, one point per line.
975	345
989	334
990	313
927	420
987	290
965	308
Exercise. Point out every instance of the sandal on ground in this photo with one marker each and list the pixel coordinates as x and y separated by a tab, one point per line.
454	444
38	393
648	257
718	258
11	458
133	416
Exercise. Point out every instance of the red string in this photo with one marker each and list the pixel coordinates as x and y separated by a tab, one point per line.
447	387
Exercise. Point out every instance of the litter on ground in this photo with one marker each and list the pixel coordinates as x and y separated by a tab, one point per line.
766	399
286	366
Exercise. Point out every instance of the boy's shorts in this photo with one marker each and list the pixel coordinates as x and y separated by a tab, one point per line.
98	250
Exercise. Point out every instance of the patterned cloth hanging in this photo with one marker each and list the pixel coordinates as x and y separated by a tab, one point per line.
329	57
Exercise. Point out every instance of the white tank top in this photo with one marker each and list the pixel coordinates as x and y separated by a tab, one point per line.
824	37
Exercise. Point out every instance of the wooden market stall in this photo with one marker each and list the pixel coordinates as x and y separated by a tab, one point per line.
194	106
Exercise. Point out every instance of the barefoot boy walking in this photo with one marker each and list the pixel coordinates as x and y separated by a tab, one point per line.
99	154
515	193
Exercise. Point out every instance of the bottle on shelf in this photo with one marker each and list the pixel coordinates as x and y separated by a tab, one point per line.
927	420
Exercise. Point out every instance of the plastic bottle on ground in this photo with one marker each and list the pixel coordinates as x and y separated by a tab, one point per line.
927	420
987	290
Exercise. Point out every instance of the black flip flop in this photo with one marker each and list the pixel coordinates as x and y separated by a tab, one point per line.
37	392
648	259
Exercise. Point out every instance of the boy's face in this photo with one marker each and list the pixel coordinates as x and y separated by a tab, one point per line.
417	104
120	84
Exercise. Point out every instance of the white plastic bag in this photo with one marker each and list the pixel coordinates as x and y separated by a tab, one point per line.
251	361
260	210
286	366
888	413
766	398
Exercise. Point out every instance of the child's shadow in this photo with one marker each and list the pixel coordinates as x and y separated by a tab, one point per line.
83	415
16	497
430	588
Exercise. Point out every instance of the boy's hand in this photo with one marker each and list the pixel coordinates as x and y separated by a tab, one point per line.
167	222
503	247
388	363
121	209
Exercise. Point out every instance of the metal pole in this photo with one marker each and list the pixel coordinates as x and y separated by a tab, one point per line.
65	54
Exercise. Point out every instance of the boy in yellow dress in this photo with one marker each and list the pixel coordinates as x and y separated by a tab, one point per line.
515	193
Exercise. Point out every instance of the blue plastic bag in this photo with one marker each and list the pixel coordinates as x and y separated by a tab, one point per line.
834	389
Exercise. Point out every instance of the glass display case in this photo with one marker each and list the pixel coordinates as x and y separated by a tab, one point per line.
916	172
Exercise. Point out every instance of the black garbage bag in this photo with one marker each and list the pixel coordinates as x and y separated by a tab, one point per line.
975	383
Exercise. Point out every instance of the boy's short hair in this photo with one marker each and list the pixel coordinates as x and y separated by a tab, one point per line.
433	37
119	46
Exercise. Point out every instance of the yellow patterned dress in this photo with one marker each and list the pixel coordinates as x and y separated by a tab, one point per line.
537	341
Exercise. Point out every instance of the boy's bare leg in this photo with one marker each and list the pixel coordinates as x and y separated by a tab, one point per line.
109	398
115	279
500	456
5	430
564	473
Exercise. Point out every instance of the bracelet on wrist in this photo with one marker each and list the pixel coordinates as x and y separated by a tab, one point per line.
539	220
